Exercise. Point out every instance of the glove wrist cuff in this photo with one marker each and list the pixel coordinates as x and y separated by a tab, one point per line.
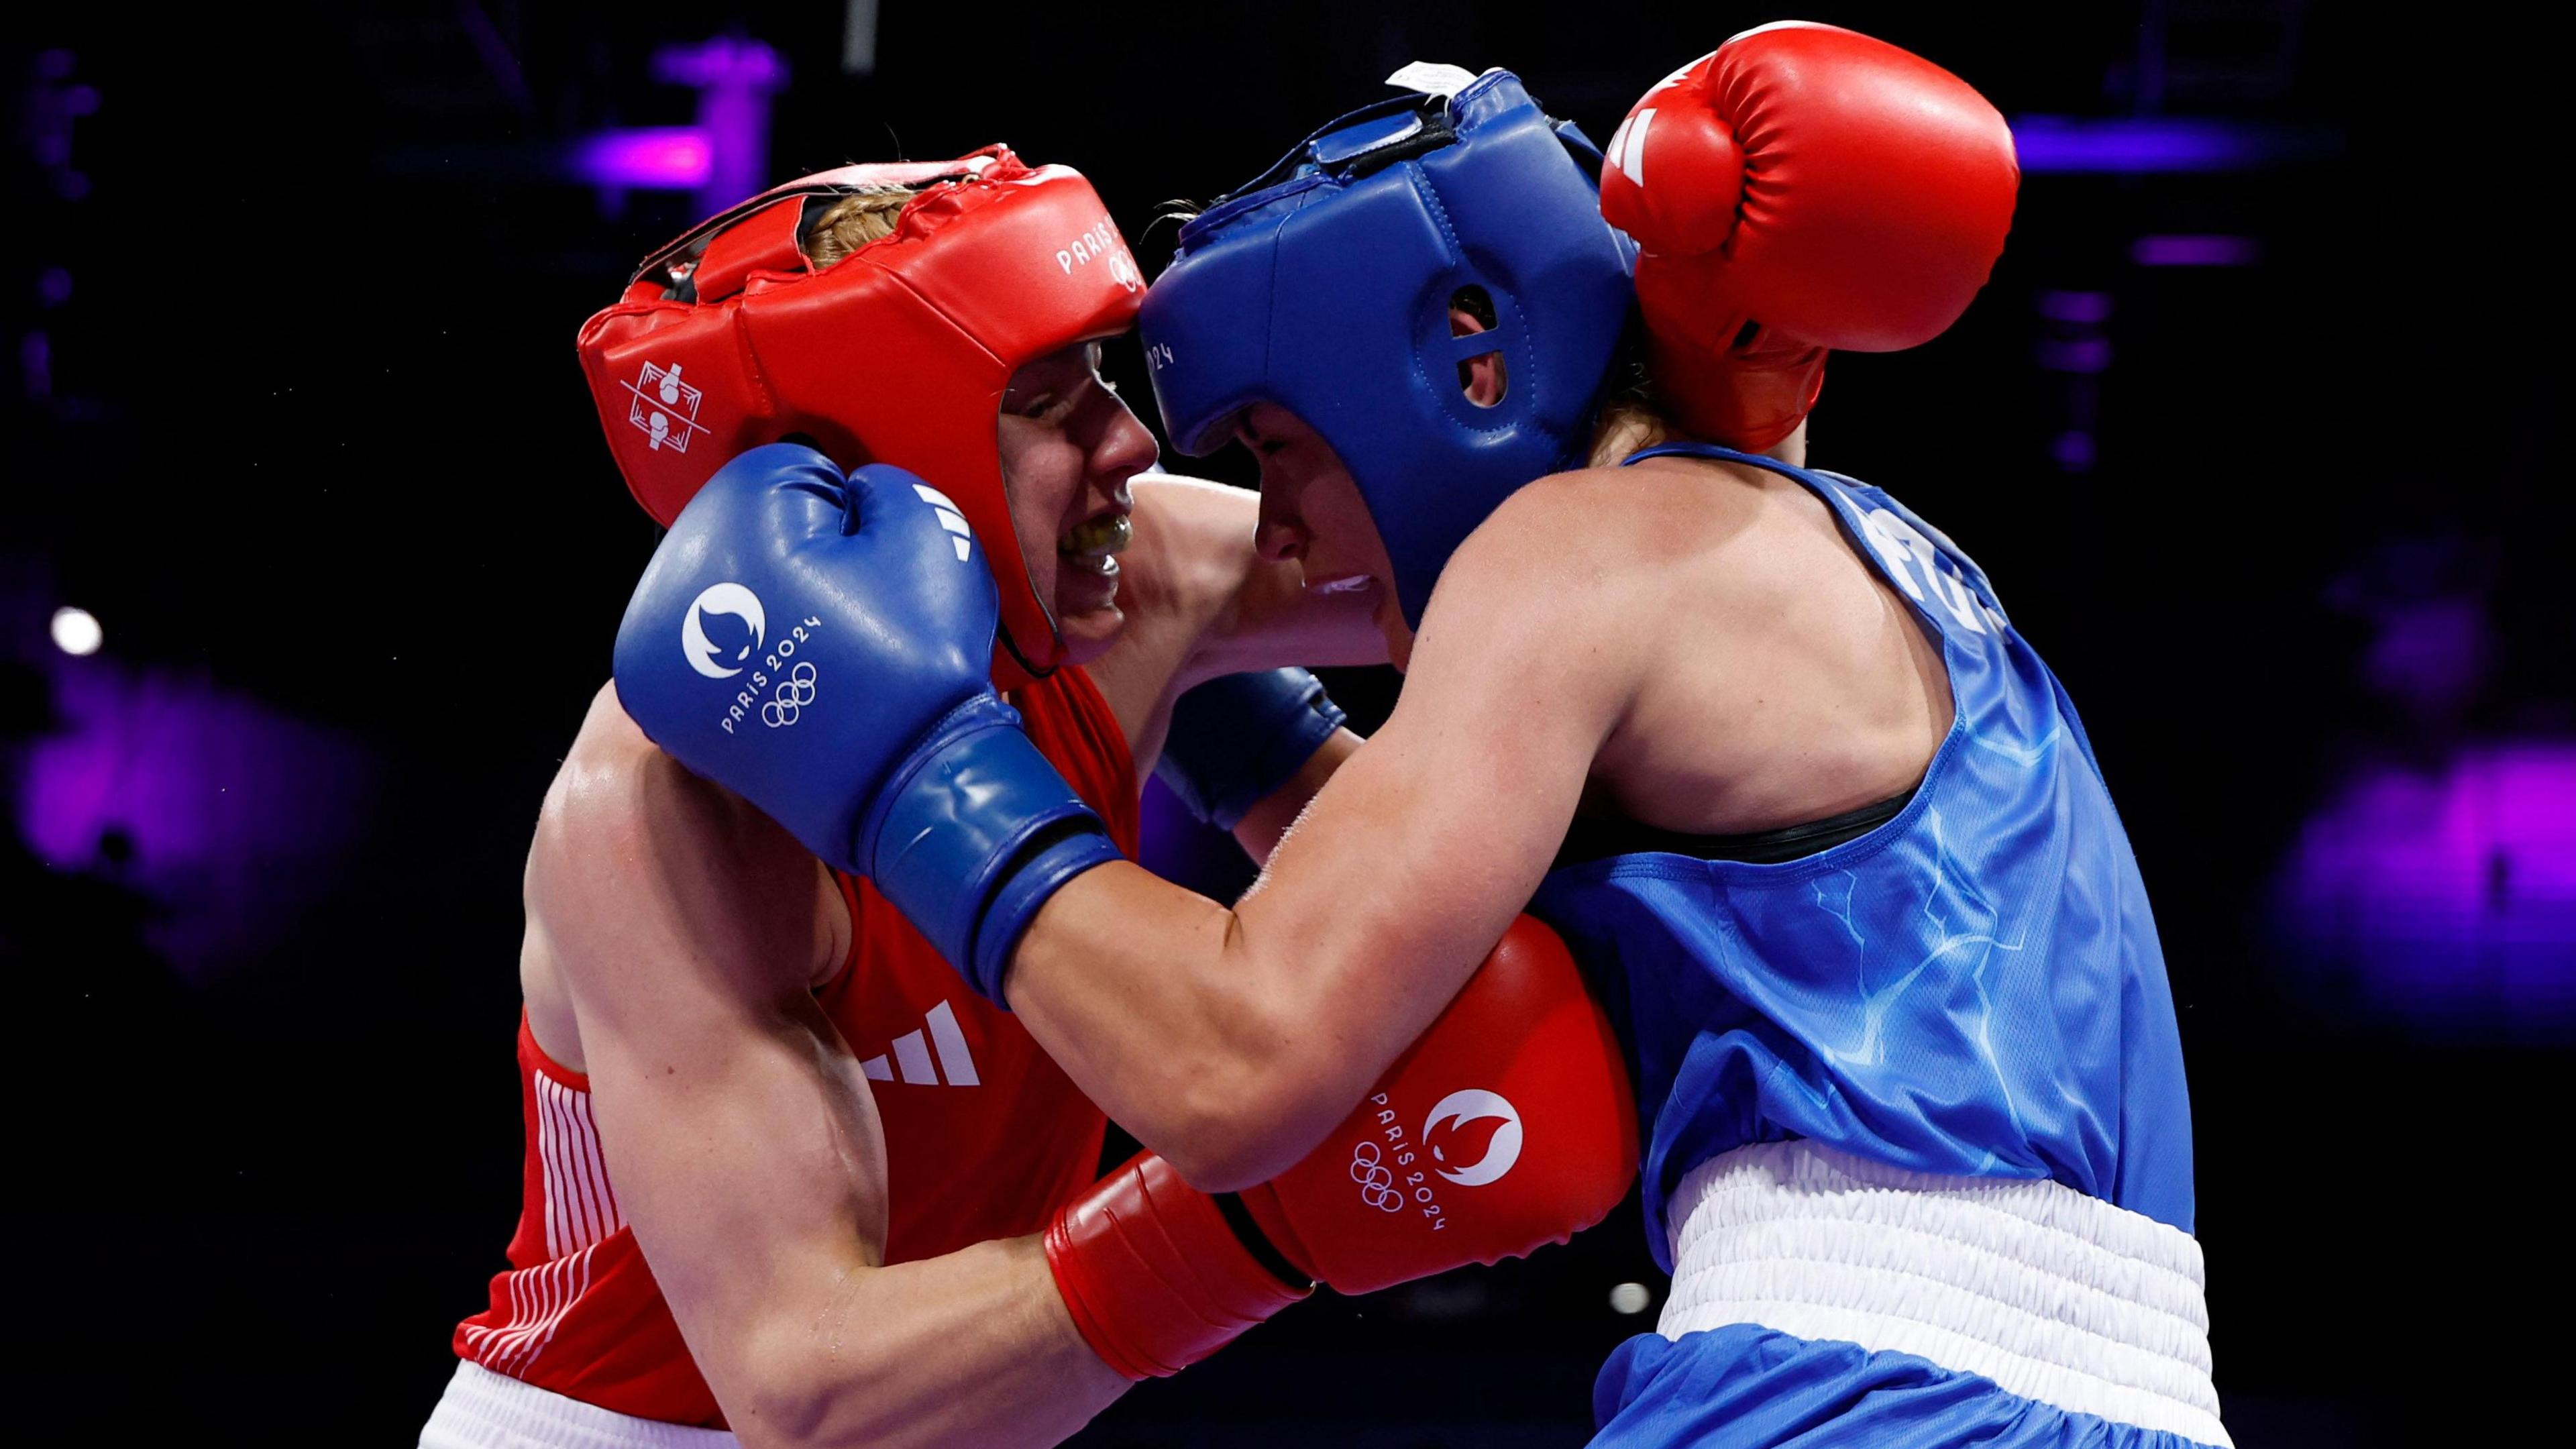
1153	1276
1050	860
971	833
1237	739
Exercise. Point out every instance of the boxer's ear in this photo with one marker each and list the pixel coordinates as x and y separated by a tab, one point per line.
1481	377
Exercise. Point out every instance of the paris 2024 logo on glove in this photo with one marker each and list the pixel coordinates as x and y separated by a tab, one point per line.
778	689
781	687
1389	1167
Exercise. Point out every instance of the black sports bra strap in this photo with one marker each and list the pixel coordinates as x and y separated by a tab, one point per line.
1594	837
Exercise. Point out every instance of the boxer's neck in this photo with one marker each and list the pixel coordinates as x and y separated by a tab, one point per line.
1630	429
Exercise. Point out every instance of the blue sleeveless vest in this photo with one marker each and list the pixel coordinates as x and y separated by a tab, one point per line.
1973	988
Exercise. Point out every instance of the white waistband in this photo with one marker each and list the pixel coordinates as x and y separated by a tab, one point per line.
2055	1296
485	1410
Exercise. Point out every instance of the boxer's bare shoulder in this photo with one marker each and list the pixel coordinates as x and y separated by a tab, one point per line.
1568	565
1757	666
636	864
1664	514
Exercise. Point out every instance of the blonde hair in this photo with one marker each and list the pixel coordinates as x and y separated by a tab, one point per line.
1627	424
1631	415
862	216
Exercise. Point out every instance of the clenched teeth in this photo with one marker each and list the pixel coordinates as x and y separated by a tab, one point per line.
1100	537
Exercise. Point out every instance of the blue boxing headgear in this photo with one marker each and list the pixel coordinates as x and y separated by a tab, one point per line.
1324	286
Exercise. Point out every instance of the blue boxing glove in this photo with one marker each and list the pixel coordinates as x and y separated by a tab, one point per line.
1238	738
820	645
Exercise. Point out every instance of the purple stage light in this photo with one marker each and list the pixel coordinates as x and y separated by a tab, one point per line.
2195	251
723	61
54	104
36	365
734	78
661	158
2446	899
2137	145
229	816
2079	354
2431	655
2089	308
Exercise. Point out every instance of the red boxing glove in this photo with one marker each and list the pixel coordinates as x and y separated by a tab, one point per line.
1509	1125
1154	1276
1798	189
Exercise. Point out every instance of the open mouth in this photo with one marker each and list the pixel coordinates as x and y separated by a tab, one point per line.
1094	544
1345	584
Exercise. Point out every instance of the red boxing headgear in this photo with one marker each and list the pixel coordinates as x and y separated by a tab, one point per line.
729	338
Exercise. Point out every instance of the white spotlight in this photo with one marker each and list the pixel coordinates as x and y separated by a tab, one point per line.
76	631
1629	1298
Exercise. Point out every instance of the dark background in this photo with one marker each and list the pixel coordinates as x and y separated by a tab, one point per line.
291	295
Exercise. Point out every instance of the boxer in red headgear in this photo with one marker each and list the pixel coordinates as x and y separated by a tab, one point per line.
782	1173
731	337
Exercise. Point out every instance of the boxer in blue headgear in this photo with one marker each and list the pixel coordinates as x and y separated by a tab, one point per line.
1757	740
1397	218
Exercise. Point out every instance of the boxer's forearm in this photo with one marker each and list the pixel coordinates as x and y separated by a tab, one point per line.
1142	992
1232	1041
972	1348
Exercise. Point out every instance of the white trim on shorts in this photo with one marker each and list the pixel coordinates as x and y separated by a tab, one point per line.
485	1410
2056	1296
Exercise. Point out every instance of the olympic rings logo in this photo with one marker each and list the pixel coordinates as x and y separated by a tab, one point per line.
1376	1179
794	693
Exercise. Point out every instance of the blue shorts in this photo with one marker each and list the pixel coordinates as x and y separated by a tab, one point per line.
1745	1386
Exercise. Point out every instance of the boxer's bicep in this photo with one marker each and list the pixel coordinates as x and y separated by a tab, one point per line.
762	1213
741	1139
748	1158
